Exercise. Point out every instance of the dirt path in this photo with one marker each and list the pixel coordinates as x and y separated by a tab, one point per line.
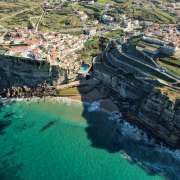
15	14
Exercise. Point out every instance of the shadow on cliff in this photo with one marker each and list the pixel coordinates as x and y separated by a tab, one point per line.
103	134
20	72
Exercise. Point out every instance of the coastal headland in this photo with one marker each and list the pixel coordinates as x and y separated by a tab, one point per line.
146	95
153	108
89	89
123	54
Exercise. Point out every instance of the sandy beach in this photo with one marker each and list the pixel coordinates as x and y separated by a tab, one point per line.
106	103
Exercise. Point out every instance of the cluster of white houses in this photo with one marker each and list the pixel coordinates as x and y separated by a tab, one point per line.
161	47
56	48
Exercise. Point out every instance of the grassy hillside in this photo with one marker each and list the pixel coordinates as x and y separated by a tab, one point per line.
146	12
19	13
54	22
171	63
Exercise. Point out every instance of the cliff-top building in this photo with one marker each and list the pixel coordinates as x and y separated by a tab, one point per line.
56	48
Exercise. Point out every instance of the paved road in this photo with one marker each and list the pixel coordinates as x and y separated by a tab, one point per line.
134	63
158	70
150	67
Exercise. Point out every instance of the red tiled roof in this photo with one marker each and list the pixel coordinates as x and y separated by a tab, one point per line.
19	48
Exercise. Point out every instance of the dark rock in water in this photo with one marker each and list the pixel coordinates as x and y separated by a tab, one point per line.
4	125
8	115
48	125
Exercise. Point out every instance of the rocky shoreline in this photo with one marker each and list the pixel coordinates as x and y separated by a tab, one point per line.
28	92
155	108
109	103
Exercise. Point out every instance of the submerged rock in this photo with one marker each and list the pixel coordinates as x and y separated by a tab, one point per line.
4	125
48	125
8	115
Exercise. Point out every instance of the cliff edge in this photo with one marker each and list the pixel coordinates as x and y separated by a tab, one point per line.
160	113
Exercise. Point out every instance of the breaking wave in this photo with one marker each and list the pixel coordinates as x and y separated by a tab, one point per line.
94	107
137	146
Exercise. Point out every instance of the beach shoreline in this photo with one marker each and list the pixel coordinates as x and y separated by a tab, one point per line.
105	103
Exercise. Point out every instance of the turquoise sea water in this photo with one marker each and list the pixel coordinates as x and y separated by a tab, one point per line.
50	141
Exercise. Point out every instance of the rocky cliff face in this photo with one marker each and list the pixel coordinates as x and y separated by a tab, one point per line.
155	109
125	84
21	72
160	113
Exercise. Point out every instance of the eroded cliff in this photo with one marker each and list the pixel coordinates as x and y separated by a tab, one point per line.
20	72
160	113
151	103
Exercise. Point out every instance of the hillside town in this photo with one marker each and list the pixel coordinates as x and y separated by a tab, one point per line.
56	48
61	49
116	63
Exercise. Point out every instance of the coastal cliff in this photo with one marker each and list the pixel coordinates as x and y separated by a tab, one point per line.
160	113
19	72
156	107
153	106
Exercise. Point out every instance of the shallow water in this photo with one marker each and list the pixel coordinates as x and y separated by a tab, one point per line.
48	140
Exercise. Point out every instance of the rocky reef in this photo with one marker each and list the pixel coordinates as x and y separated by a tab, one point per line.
41	90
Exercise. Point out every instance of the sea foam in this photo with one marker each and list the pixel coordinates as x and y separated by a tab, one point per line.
134	133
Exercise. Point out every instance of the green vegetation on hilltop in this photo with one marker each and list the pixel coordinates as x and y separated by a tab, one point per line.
154	15
55	22
90	50
104	1
146	12
21	19
23	13
171	65
113	34
171	60
14	14
94	45
19	12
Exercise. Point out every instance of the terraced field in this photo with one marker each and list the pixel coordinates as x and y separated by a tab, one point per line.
149	13
17	13
172	66
21	12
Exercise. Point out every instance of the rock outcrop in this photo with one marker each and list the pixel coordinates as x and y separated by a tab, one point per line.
156	109
160	113
153	105
19	72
